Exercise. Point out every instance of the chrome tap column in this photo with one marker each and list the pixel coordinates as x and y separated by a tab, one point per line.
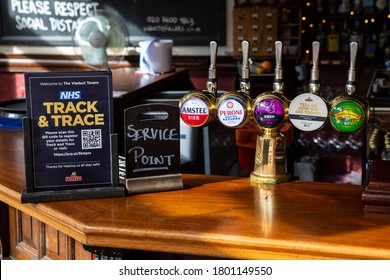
349	113
309	111
234	107
197	108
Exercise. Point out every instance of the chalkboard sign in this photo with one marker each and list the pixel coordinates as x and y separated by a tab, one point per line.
152	146
50	22
152	140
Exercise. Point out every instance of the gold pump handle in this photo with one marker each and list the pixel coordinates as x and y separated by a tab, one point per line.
314	83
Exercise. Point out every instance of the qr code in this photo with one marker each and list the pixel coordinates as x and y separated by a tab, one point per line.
91	139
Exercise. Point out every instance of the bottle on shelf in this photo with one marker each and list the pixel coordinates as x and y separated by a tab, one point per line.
381	6
356	36
368	6
344	38
285	15
321	37
370	44
373	144
332	6
384	37
321	7
356	6
385	155
344	7
333	43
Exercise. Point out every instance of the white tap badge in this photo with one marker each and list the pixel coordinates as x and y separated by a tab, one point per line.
232	112
308	112
194	112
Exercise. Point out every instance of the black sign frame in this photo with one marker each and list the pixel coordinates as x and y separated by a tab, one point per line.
66	168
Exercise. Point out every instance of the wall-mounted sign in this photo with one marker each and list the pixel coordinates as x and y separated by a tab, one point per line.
68	136
51	22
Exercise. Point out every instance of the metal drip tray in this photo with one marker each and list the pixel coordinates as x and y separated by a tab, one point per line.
13	109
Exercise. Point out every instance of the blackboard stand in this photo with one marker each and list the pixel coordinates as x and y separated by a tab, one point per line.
30	195
161	183
152	145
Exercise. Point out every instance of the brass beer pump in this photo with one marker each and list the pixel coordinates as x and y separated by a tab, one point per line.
234	107
197	108
271	114
349	113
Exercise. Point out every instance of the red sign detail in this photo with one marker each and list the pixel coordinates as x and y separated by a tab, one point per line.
194	119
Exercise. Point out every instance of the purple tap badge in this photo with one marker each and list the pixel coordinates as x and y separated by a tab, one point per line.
269	113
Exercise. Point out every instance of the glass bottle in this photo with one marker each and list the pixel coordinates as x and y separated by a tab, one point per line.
370	44
321	7
368	6
321	37
373	144
381	6
385	155
384	37
333	40
332	6
344	7
356	35
357	6
344	38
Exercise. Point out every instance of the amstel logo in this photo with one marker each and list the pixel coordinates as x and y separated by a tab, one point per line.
73	177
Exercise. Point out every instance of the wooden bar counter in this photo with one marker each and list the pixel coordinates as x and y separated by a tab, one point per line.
214	216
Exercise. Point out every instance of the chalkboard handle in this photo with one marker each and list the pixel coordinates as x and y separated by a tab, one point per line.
212	78
153	115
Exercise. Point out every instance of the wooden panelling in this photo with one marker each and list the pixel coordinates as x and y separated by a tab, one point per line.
56	244
32	239
24	236
80	253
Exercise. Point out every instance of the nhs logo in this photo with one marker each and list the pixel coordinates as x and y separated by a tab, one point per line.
70	94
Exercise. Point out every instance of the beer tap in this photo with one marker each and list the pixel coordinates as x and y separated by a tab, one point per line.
271	114
234	107
197	108
349	113
309	111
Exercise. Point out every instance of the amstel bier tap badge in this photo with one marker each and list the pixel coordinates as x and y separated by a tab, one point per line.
195	112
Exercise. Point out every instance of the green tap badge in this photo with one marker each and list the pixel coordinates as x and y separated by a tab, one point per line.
349	113
347	116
